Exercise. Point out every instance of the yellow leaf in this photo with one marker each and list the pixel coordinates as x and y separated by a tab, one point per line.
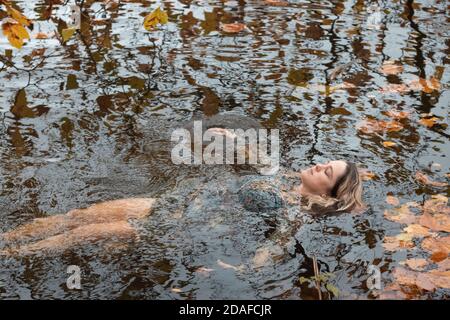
19	17
158	16
67	33
15	33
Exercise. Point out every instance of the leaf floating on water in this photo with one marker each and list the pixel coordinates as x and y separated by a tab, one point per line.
434	245
439	256
371	126
398	242
390	68
416	230
429	122
67	33
233	27
398	114
389	144
437	222
429	281
424	179
415	263
158	16
366	175
15	33
401	214
277	3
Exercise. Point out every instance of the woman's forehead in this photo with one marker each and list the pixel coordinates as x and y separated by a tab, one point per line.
338	166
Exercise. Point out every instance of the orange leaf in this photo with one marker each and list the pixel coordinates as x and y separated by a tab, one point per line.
435	245
41	35
429	122
437	222
19	17
233	27
389	143
439	256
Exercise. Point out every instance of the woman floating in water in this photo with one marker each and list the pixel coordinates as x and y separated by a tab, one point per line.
325	188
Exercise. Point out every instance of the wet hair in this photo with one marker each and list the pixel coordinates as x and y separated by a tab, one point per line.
345	196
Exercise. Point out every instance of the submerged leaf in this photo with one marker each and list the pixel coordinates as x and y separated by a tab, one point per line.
424	179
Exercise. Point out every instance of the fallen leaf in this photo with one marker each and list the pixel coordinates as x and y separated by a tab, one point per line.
429	122
401	214
434	245
67	33
278	3
437	222
398	114
436	204
233	27
439	256
15	33
398	242
424	179
390	67
415	263
380	126
389	143
156	17
18	16
393	201
444	265
176	290
413	278
416	230
425	85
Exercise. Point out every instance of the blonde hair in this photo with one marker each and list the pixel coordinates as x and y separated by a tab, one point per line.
346	195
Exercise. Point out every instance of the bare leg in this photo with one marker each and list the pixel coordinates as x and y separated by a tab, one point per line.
88	234
102	213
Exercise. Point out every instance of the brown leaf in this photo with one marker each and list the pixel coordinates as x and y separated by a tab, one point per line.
389	144
233	27
424	179
439	256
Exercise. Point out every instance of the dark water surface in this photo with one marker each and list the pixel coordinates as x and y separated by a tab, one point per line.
91	123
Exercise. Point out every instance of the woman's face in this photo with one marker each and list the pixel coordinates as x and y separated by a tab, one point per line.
321	178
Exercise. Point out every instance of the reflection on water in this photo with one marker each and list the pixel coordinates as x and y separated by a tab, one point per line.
92	121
